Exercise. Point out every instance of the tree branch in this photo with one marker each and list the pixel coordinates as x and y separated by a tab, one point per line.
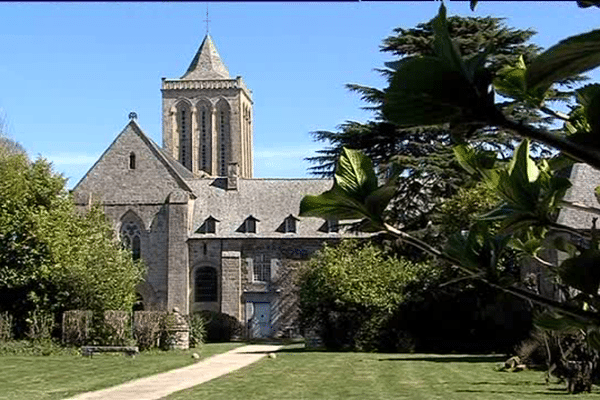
575	150
568	229
524	294
555	114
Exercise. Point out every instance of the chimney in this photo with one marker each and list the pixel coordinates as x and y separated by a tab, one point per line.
232	176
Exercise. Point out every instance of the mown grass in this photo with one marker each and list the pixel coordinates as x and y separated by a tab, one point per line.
305	375
61	376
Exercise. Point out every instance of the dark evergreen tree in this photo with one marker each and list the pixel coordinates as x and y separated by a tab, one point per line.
422	155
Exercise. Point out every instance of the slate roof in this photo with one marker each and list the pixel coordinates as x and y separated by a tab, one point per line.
584	180
207	63
270	201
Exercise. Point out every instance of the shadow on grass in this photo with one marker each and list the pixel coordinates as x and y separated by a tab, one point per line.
450	358
544	392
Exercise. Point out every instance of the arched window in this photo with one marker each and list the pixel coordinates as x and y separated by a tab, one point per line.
132	160
204	116
223	136
205	288
131	239
185	135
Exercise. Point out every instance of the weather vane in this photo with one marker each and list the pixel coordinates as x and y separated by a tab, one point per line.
207	20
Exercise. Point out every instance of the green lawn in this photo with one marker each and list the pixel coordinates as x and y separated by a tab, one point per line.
61	376
303	375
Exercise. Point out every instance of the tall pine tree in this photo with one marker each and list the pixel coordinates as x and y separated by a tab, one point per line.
422	155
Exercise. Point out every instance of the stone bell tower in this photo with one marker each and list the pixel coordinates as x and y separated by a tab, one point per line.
207	117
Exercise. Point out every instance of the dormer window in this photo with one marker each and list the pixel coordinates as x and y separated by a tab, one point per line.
132	160
333	225
289	224
209	225
250	224
330	226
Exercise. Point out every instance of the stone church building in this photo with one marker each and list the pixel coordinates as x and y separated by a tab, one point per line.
212	236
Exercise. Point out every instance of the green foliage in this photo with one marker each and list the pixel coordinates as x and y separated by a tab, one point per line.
531	192
567	58
460	211
39	347
6	327
220	327
53	258
197	330
347	292
355	193
422	155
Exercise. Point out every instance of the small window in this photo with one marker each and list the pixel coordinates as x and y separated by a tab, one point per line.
261	269
250	224
209	225
132	161
290	224
333	225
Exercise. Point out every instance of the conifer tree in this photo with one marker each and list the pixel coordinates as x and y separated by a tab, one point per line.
422	155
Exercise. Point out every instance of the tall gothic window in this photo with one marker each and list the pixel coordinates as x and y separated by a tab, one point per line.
185	136
223	142
205	288
223	132
204	125
131	239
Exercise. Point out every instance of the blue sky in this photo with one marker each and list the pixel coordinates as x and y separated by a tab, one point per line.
70	73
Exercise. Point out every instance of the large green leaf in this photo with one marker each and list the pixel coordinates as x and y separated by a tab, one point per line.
355	175
423	91
558	322
354	195
569	57
443	45
332	204
439	89
582	272
511	81
589	97
521	166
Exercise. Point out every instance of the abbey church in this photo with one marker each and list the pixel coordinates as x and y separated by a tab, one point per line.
212	236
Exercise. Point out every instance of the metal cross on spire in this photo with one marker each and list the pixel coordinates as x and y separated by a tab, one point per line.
207	20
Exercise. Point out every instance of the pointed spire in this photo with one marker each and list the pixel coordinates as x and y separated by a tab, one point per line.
207	63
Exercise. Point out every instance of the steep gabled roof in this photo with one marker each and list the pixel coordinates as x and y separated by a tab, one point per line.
175	170
178	171
207	63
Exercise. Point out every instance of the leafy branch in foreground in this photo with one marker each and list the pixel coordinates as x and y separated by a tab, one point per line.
447	88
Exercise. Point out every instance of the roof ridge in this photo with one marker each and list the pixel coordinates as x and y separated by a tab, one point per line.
159	153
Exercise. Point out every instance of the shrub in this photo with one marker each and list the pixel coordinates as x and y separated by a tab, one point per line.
348	294
40	325
115	328
42	347
76	326
6	327
221	327
147	328
197	329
